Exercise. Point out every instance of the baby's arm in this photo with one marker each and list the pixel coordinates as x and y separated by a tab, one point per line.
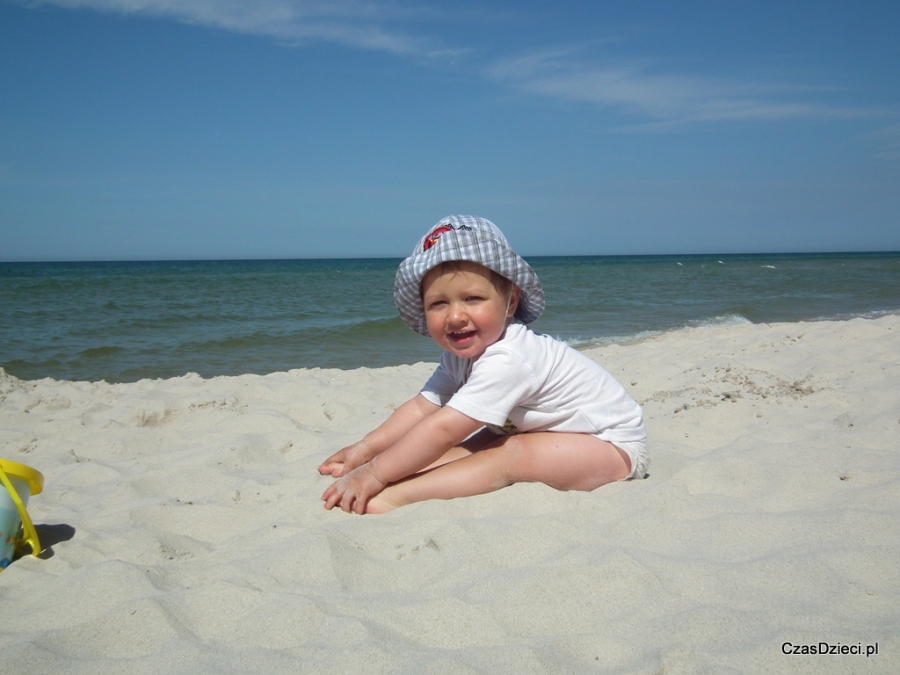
380	439
426	442
420	446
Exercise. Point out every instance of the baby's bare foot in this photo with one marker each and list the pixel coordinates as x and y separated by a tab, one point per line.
380	504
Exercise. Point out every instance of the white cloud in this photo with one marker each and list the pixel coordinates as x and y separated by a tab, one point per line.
662	100
354	23
639	91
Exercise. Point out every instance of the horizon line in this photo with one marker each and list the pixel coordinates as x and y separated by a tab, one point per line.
402	257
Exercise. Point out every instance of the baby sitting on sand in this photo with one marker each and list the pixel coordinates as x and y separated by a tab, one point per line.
543	412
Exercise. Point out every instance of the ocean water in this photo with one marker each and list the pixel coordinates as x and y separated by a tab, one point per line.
123	321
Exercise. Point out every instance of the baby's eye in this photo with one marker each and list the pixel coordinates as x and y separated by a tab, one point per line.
474	298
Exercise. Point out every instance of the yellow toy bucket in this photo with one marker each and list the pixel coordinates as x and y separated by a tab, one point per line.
19	483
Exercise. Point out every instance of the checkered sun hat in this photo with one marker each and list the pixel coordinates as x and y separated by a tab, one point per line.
471	239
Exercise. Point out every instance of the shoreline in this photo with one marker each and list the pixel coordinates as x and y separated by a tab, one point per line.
582	345
186	532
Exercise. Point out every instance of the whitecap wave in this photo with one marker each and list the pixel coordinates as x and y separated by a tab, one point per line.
582	343
722	320
873	314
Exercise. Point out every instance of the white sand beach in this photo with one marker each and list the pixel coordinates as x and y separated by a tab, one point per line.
185	533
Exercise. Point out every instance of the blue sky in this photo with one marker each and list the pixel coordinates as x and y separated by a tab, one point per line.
161	129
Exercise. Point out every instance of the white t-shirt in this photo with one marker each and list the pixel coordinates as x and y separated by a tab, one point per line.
532	382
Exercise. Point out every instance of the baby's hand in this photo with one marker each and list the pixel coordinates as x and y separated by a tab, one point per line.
344	461
353	490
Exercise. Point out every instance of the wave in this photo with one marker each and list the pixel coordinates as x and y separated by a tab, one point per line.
712	322
100	352
722	320
581	343
848	316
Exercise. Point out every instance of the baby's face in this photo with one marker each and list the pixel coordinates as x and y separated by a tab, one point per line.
465	312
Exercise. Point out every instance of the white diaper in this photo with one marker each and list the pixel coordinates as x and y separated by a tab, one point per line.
637	453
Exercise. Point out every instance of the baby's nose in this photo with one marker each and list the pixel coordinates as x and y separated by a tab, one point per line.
458	313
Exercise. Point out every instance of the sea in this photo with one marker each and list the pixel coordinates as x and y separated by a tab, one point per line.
126	321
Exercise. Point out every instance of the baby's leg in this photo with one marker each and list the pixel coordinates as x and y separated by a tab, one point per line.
477	441
565	461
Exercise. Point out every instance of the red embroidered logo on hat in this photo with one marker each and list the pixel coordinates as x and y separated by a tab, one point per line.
432	238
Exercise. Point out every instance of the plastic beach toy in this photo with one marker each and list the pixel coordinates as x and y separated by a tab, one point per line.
19	483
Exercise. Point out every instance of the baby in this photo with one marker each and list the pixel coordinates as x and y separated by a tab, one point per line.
505	405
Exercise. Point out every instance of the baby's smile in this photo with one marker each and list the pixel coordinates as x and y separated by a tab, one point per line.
461	336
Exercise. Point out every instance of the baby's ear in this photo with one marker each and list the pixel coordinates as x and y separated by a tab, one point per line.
514	295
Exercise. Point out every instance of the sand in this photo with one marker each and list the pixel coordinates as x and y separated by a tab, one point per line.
184	529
